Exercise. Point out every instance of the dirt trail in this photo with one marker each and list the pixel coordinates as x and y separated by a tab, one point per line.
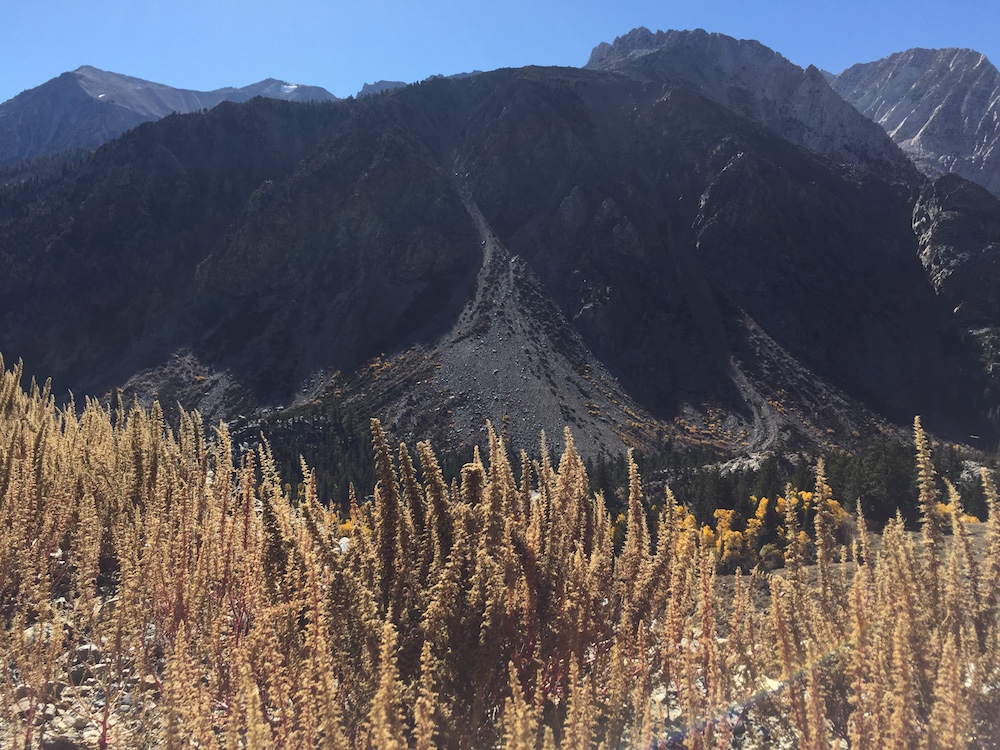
765	429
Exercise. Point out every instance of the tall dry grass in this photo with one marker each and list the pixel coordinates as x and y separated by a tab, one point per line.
160	596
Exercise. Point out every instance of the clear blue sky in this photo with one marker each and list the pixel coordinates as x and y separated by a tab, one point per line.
341	45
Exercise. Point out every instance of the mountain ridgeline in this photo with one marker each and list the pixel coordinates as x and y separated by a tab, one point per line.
941	106
638	257
756	81
85	108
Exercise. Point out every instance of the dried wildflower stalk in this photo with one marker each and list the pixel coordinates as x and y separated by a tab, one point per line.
488	612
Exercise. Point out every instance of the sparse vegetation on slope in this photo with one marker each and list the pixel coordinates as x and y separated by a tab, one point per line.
154	594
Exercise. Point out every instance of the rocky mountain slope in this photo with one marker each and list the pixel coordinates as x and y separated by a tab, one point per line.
539	247
958	230
756	81
88	107
941	106
957	224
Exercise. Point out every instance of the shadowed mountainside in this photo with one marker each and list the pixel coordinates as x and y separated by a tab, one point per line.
537	246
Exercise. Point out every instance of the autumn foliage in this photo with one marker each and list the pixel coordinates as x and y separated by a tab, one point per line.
140	562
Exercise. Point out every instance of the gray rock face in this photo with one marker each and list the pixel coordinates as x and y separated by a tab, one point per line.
941	106
756	81
957	224
88	107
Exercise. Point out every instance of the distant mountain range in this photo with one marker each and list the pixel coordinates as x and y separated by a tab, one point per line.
88	107
379	86
689	240
941	106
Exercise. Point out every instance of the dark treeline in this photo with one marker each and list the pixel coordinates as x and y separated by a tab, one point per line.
335	442
882	476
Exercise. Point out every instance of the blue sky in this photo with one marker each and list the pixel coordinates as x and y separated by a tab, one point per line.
341	45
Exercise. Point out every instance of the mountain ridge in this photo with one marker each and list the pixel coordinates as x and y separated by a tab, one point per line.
609	249
758	82
667	235
87	107
941	106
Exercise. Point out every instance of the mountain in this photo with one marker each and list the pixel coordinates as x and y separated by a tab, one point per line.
958	230
87	107
379	86
540	247
941	106
756	81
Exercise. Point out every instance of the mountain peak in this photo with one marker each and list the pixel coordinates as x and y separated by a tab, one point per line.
598	54
939	105
759	83
639	39
87	107
640	42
